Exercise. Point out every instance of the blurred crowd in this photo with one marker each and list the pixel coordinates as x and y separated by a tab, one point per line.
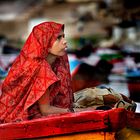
93	56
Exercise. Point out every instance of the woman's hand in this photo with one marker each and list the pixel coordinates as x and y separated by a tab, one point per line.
45	107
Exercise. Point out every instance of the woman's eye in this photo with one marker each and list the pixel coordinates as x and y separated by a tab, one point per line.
60	36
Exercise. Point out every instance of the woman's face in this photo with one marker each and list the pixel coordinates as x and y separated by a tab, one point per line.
59	46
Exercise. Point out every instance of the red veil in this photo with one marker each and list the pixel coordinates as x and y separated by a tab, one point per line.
31	75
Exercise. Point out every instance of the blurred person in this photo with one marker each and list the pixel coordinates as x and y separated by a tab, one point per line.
87	76
39	82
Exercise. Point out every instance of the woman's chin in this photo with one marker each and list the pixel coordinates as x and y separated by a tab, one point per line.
62	53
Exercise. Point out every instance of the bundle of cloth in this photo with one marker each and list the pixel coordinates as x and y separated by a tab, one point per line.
102	98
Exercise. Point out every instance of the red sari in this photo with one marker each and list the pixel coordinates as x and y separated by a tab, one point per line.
31	75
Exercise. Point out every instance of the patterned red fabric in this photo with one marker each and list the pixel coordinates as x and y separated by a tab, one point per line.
31	75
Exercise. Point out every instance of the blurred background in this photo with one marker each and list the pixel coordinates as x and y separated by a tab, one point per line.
103	39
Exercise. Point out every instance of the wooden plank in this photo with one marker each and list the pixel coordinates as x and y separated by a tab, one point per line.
62	124
84	136
133	120
117	118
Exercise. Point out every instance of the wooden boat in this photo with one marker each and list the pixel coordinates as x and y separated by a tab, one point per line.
87	125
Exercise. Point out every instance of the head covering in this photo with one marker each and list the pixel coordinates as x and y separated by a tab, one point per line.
31	75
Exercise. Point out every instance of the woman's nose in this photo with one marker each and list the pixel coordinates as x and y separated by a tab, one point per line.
64	41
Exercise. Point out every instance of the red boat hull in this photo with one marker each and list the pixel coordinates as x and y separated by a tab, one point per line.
70	123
